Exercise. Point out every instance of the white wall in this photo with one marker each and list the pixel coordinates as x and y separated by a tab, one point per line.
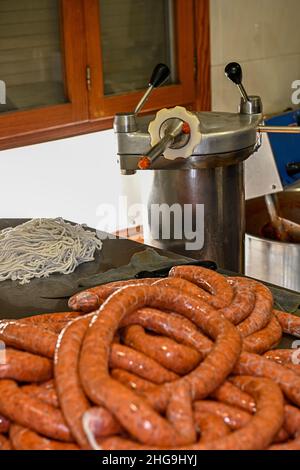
263	36
72	177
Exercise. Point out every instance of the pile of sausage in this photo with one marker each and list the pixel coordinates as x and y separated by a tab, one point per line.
185	362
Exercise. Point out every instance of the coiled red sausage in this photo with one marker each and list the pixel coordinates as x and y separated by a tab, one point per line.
101	423
4	425
257	434
53	322
292	420
31	338
258	366
211	427
171	325
26	439
171	355
25	367
221	293
234	417
4	443
91	299
262	311
265	339
73	401
44	393
232	395
285	357
122	357
288	322
242	303
28	411
132	381
101	389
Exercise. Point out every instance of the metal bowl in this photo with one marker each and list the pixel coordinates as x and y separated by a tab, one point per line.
268	260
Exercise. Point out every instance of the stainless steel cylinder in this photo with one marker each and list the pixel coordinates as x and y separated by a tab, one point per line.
221	192
268	260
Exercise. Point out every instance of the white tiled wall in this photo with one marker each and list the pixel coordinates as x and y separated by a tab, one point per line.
263	36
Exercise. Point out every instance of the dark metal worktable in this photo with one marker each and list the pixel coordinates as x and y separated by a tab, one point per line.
49	295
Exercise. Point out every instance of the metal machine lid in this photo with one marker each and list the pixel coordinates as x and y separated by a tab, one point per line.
221	133
226	132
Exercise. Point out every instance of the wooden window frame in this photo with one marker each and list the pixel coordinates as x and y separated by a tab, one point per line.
184	92
88	110
30	126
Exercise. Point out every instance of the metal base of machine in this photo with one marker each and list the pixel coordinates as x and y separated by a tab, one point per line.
221	231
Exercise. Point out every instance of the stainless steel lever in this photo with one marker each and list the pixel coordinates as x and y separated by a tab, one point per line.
174	131
159	75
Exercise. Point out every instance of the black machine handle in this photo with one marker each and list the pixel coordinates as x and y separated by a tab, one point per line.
293	168
234	72
160	74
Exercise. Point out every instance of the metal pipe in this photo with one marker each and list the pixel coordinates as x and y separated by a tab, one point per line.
279	129
164	143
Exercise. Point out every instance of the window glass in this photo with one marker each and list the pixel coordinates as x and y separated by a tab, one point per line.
31	53
135	36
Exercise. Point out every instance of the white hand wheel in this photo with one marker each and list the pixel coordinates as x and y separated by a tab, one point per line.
187	117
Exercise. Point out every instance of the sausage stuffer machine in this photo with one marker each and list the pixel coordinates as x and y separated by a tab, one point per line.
196	158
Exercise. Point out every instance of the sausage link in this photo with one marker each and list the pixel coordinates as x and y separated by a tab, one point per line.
259	366
148	425
46	394
265	339
31	338
211	427
4	443
257	434
30	412
242	304
292	420
122	357
291	445
101	422
91	299
232	395
26	439
72	399
53	322
211	281
281	356
262	311
171	325
281	436
4	425
233	417
180	413
173	356
25	367
132	381
284	357
185	286
289	323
